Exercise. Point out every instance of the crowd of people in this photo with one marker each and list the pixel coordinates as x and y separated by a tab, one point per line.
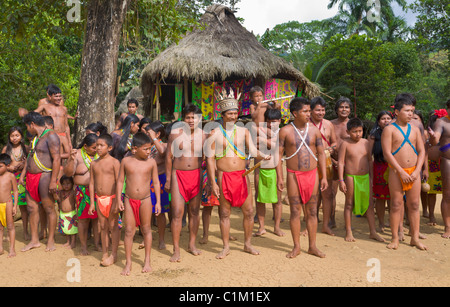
143	172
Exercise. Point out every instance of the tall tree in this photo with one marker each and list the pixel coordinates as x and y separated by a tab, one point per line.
99	62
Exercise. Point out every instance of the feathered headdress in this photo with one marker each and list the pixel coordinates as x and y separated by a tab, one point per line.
228	101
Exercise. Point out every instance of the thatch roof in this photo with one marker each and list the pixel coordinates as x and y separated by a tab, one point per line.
220	50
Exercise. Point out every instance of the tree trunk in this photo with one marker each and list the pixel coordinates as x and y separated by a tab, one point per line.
99	64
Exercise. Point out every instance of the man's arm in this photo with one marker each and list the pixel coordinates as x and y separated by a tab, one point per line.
168	163
279	165
322	160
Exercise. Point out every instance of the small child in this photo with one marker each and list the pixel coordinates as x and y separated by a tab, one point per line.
138	170
156	131
103	181
355	162
266	177
68	221
8	207
17	151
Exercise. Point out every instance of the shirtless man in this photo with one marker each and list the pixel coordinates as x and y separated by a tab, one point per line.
227	144
57	111
303	145
441	135
343	109
404	151
183	177
46	100
41	181
132	105
78	166
326	128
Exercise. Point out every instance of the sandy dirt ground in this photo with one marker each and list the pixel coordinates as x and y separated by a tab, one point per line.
346	264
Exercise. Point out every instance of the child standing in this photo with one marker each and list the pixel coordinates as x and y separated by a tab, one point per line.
156	131
380	187
102	184
8	208
355	162
404	151
18	152
266	177
138	171
68	222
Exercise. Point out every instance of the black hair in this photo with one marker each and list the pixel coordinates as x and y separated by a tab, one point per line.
157	126
169	128
376	134
140	139
33	117
418	113
107	138
340	101
49	120
53	89
272	114
132	100
448	104
406	99
402	100
254	90
66	178
318	101
144	121
5	159
88	140
9	145
122	148
354	123
298	103
190	108
97	127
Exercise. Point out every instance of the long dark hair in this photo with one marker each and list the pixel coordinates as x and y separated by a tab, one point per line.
121	149
9	145
376	134
88	140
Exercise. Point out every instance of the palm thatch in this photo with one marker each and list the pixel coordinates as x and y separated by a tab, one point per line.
221	49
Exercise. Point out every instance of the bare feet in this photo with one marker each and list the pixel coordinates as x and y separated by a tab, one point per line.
108	261
194	251
316	252
146	268
327	230
446	234
126	270
279	232
30	246
249	249
349	237
259	233
376	237
225	252
418	244
393	245
176	257
294	253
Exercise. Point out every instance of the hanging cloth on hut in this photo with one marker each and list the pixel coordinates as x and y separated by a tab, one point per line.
286	88
196	94
208	100
178	98
271	89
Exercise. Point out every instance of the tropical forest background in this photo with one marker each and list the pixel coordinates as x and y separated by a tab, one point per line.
348	55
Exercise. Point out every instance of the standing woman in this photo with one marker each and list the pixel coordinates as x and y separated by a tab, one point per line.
16	149
123	137
380	187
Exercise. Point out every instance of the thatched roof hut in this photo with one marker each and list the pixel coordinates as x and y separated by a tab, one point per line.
221	49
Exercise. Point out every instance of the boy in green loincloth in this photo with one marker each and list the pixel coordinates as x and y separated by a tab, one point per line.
355	162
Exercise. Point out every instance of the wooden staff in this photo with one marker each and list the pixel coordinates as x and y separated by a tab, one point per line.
253	168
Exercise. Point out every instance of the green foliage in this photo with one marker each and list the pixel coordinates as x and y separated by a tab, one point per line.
360	65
